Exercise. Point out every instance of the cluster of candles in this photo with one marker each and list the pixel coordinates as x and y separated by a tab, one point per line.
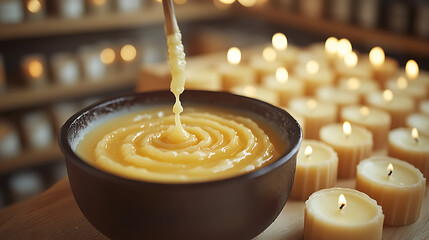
349	107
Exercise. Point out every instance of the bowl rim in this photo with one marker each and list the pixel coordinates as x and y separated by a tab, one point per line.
70	155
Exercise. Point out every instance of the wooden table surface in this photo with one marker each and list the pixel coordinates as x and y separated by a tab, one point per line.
54	214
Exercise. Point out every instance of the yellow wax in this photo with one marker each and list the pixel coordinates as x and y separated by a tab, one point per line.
288	90
419	121
403	146
221	144
361	218
316	114
351	149
315	171
400	194
398	108
203	79
375	120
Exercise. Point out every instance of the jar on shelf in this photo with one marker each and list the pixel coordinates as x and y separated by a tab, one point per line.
11	11
65	68
24	185
37	129
10	143
70	8
367	13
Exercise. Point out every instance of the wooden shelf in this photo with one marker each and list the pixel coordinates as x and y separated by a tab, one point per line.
31	158
150	15
30	97
372	37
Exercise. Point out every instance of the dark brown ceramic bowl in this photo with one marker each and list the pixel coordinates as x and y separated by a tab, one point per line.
235	208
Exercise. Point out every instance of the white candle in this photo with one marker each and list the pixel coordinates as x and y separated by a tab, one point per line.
286	54
359	86
65	68
128	5
396	185
383	68
70	8
93	68
265	64
38	129
11	11
313	76
128	56
342	213
286	86
401	87
337	96
352	66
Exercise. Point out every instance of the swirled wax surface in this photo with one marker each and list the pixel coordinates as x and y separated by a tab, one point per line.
220	144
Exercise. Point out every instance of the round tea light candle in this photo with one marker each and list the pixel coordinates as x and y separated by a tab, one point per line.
233	73
265	64
350	66
406	144
351	144
420	122
313	76
342	213
383	68
316	168
399	107
375	120
316	114
358	86
396	185
286	86
402	87
286	54
337	96
257	92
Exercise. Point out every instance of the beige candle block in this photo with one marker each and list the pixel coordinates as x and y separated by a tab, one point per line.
313	76
359	86
401	87
35	9
316	168
316	114
399	107
424	107
264	66
349	67
315	53
375	120
257	92
34	70
351	143
419	121
288	57
385	71
407	145
203	79
325	52
286	86
396	185
337	96
342	213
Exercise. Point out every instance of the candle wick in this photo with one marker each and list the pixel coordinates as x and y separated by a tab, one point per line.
390	173
342	206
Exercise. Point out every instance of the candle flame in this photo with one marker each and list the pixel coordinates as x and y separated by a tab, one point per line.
347	128
35	68
353	83
282	75
308	151
34	6
247	3
351	59
415	134
412	69
279	41
387	95
227	1
377	56
402	83
342	202
364	111
344	46
128	52
234	55
331	45
311	104
107	56
390	169
269	54
312	67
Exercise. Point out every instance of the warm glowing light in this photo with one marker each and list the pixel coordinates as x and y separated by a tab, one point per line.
98	2
351	59
402	82
415	134
35	69
376	56
128	53
180	2
311	104
347	128
387	95
353	83
282	75
389	169
331	45
249	91
247	3
344	46
342	202
312	67
412	69
34	6
107	56
279	41
308	151
227	1
234	55
364	111
269	54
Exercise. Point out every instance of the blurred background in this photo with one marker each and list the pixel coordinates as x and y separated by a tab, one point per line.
58	56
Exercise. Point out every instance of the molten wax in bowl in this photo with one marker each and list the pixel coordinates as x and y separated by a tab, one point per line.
219	144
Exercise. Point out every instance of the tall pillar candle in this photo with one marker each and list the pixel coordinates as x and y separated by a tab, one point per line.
351	143
396	185
375	120
342	213
407	145
316	168
286	86
316	114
